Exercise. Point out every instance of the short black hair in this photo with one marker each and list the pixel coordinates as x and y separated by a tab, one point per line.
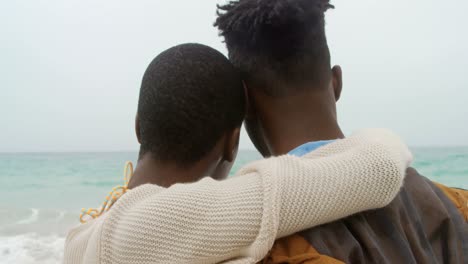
190	96
277	42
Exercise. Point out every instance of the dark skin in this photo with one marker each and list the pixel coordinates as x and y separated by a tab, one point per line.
277	125
217	164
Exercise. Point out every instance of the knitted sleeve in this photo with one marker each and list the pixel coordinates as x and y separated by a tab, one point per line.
237	220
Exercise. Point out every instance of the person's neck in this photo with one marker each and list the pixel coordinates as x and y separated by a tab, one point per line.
150	171
286	136
295	120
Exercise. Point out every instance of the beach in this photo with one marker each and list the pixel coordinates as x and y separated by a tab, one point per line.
42	193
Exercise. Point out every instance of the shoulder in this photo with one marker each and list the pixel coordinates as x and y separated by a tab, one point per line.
418	196
83	242
456	196
459	197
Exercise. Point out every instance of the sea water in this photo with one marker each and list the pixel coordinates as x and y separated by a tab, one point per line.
42	193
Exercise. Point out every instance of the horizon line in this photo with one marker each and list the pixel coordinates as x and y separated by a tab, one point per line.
135	151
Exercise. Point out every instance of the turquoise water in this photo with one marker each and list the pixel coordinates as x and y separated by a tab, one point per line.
42	193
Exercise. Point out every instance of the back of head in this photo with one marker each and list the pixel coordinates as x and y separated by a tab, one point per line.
277	43
190	95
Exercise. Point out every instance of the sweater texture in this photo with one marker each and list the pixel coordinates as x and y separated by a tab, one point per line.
238	220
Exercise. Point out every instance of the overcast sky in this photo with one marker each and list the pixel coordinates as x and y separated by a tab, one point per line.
70	71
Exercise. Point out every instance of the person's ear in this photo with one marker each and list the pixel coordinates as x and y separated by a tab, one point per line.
231	145
337	81
137	128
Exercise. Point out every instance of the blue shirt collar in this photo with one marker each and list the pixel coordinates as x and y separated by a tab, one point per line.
308	147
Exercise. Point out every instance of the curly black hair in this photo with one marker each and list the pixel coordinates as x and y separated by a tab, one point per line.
190	95
276	42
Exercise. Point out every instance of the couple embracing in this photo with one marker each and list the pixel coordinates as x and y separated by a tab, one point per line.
316	198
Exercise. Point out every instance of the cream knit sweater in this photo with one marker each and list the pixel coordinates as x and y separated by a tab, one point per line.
238	220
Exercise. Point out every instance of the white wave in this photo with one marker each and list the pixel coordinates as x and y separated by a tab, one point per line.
31	248
44	222
31	219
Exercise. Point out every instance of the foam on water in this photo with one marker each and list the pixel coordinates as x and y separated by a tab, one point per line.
31	248
34	235
31	219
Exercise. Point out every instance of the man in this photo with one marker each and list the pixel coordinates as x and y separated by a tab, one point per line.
281	49
190	111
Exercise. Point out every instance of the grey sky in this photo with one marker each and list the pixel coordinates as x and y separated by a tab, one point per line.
71	70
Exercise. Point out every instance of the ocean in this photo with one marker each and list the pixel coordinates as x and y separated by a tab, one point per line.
42	193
